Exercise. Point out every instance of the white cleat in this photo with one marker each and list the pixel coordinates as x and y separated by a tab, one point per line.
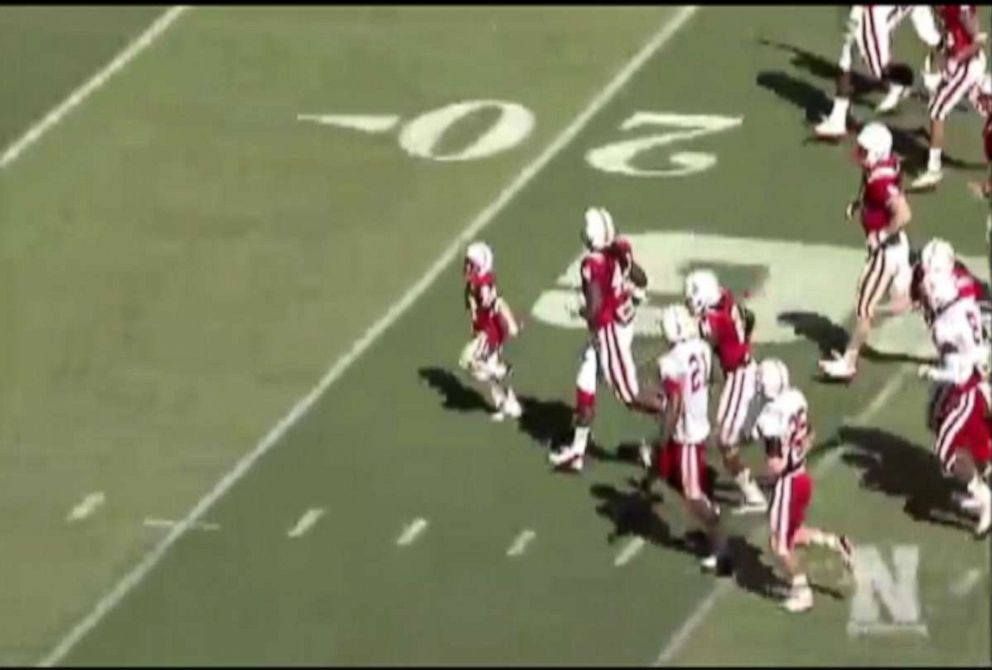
984	522
830	129
566	459
927	180
708	562
966	502
892	99
838	368
512	409
799	600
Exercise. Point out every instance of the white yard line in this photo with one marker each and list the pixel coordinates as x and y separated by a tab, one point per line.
411	532
86	507
50	120
169	523
137	574
520	543
306	522
962	586
631	549
677	641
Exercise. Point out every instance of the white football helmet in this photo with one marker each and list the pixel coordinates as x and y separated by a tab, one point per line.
702	290
937	256
876	141
480	256
598	231
677	324
773	377
941	289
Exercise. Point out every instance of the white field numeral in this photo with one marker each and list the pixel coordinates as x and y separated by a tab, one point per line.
618	157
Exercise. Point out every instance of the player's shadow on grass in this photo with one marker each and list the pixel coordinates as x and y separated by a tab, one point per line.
899	468
828	336
632	514
753	572
456	395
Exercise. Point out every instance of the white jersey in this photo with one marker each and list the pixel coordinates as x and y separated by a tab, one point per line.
786	420
960	341
685	370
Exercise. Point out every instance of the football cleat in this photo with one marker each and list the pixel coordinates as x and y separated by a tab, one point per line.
927	180
799	600
965	502
566	459
984	522
830	129
892	99
838	368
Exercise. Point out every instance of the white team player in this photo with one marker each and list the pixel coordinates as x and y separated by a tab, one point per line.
681	452
963	442
871	27
784	425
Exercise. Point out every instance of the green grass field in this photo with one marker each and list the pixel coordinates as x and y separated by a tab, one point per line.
196	245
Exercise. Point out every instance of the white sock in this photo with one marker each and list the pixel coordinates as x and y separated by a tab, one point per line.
511	397
800	583
896	89
497	394
845	57
980	491
841	106
580	439
933	162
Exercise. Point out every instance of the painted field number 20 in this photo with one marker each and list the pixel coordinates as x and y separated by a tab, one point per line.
424	136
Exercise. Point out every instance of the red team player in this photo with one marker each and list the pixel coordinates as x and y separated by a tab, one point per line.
963	443
785	427
871	28
611	282
492	325
884	215
684	373
961	75
727	326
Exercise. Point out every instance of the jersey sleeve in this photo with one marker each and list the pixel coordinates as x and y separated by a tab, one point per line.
672	373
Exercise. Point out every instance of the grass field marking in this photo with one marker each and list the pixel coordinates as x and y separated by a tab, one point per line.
964	584
136	574
629	551
677	641
367	123
169	523
86	507
411	532
120	61
306	522
520	543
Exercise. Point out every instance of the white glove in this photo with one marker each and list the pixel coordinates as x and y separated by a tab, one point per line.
925	372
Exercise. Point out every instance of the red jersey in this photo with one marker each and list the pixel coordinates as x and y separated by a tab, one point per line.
724	326
880	184
482	300
957	35
608	270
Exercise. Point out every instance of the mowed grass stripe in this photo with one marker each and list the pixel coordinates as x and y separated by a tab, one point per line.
138	573
50	120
